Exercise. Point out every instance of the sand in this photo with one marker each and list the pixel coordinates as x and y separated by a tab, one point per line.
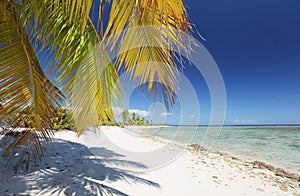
121	162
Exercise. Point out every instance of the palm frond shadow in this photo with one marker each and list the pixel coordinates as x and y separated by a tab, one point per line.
71	169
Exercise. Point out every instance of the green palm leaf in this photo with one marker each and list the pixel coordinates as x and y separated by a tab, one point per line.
87	76
23	85
146	53
61	27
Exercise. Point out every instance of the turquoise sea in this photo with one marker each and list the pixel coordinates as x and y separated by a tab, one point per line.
276	145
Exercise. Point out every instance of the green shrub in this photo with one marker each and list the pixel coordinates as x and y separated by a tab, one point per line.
25	118
63	119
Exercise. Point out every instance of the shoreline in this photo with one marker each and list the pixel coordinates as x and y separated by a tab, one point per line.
196	148
244	157
91	165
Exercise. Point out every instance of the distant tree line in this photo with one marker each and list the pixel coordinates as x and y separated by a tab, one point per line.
61	118
134	119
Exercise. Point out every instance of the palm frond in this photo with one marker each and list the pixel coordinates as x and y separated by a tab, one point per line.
74	9
61	25
150	33
79	63
23	84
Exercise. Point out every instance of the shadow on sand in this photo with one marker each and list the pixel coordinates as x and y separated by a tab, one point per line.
71	169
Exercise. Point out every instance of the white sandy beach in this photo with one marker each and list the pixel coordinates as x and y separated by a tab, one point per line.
125	163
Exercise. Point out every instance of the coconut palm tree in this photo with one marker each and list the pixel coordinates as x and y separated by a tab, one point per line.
125	117
62	35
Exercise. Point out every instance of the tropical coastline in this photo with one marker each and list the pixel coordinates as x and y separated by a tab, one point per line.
277	145
74	166
89	91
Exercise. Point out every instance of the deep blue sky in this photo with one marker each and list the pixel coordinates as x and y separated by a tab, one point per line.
256	45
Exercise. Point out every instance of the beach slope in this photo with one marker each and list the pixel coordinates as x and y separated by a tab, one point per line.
119	161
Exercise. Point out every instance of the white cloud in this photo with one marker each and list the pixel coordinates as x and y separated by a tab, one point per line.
117	110
143	113
244	121
192	116
166	114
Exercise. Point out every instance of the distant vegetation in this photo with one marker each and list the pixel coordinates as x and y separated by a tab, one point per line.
134	119
61	118
65	35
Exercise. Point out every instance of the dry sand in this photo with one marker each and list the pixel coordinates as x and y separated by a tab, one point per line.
126	163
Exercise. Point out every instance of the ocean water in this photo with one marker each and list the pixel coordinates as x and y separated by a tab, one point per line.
278	146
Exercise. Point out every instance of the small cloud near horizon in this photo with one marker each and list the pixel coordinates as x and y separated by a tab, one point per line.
142	113
166	114
119	110
244	121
